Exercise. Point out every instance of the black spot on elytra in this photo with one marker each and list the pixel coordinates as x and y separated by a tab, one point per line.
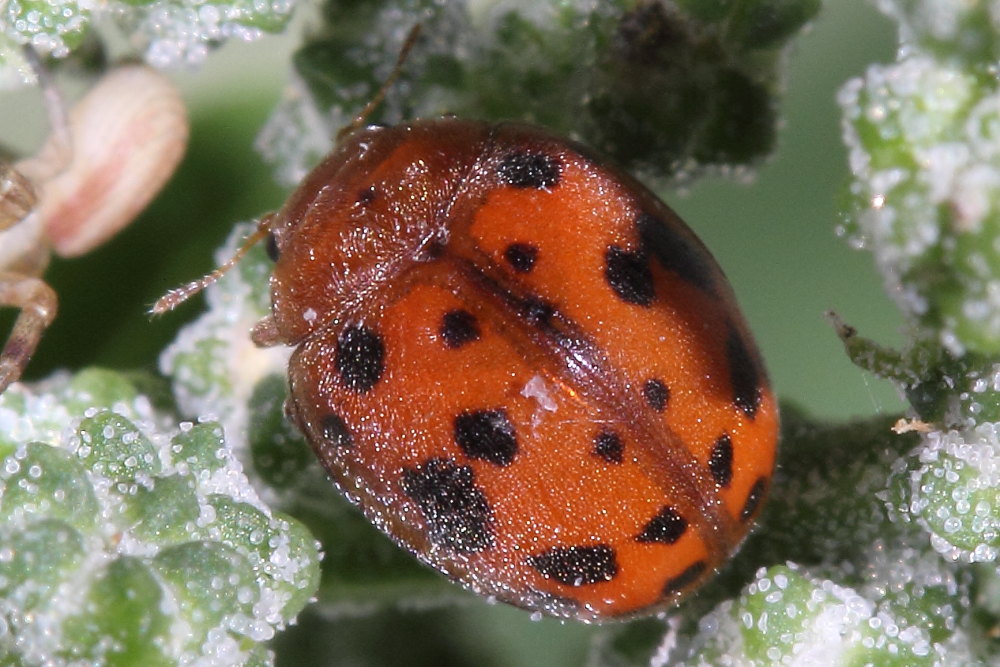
537	312
743	374
685	578
656	393
674	252
271	247
577	566
335	431
521	256
456	511
488	435
753	498
720	461
608	445
360	357
530	170
367	196
628	275
458	327
667	526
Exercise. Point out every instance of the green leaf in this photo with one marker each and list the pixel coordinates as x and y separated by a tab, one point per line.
123	621
280	454
661	87
210	582
280	549
162	510
190	585
98	386
955	494
111	445
44	481
34	560
201	446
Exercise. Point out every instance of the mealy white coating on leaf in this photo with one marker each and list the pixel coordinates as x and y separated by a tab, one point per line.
895	99
668	645
902	574
45	30
296	135
35	634
236	364
722	630
545	16
796	616
946	21
220	648
39	413
924	150
171	33
42	421
184	35
955	492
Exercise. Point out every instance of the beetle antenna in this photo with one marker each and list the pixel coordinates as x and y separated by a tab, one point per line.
404	52
179	295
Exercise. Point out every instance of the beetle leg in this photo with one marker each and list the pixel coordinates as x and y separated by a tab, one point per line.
265	333
17	196
38	303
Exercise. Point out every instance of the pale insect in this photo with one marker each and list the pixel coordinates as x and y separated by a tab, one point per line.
101	165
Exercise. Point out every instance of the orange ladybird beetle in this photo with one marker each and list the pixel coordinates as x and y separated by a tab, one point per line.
521	364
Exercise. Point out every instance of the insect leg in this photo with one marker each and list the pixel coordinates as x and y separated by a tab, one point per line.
38	304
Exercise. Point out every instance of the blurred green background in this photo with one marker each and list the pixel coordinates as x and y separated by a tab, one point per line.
774	236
